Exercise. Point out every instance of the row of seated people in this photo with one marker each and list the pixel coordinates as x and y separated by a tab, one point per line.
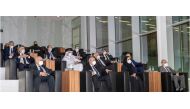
100	65
24	61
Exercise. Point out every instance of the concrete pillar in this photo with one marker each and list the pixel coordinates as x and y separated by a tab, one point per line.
111	35
162	43
92	37
170	41
83	32
136	39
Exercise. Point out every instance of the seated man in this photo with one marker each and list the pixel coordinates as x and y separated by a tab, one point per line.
10	51
49	54
102	61
138	66
42	74
107	56
174	75
108	68
23	60
99	74
72	61
77	53
135	81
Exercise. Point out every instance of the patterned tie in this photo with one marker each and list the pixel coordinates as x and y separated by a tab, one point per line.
101	62
42	69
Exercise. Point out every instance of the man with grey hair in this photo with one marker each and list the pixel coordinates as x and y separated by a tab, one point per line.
174	75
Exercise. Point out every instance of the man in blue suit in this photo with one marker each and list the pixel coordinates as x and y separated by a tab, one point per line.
10	51
137	66
42	74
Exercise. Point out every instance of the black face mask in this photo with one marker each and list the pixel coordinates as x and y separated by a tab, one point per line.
35	44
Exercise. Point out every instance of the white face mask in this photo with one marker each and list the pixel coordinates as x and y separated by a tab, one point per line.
129	61
98	57
41	63
77	50
94	63
70	54
23	51
166	65
104	53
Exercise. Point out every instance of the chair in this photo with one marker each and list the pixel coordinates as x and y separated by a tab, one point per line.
10	69
89	84
58	78
25	80
168	84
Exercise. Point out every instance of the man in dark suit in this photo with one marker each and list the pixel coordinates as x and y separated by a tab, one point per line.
49	53
102	61
36	49
174	75
10	51
108	68
98	74
137	65
42	74
23	60
135	81
107	56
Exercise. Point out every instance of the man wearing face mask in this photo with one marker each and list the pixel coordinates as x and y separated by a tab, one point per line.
10	51
135	81
36	49
72	61
42	74
98	74
107	57
108	69
77	53
138	66
174	75
23	60
49	54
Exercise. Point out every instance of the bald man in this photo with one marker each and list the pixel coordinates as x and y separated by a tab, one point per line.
174	75
42	74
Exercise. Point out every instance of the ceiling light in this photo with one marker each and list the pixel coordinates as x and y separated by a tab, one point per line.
144	21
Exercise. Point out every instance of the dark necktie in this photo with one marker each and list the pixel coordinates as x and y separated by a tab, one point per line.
101	62
97	72
42	69
133	64
107	57
24	60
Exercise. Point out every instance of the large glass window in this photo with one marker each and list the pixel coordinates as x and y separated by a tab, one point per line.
101	32
149	52
148	39
123	30
181	36
76	32
147	24
176	19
